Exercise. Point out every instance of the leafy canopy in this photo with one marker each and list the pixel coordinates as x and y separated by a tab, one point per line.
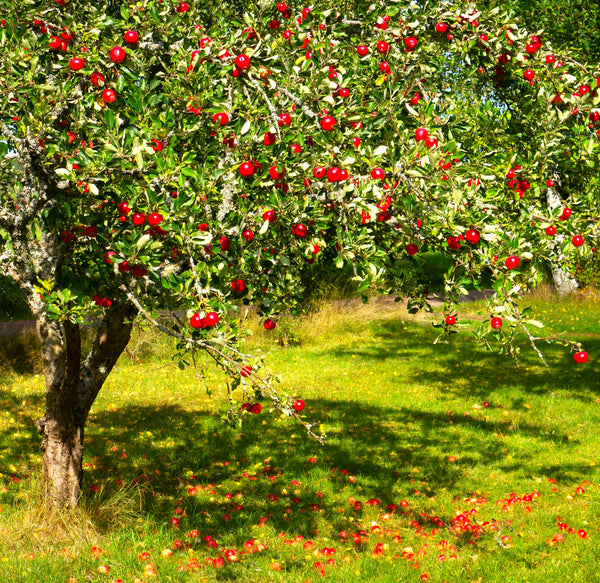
158	154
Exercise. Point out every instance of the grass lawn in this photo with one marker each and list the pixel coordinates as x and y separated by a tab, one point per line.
443	463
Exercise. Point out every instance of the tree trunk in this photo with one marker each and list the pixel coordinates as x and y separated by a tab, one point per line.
62	446
562	282
71	389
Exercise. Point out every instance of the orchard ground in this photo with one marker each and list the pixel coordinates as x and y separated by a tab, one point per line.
491	470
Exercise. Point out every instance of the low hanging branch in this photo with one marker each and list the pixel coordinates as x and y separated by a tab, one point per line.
220	357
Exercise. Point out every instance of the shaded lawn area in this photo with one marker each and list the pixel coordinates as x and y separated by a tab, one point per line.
487	465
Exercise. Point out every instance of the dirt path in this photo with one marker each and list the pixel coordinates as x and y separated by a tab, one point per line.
16	328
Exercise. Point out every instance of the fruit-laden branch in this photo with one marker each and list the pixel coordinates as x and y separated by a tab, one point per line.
299	103
226	362
270	106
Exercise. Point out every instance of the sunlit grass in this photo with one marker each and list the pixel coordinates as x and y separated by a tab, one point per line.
441	431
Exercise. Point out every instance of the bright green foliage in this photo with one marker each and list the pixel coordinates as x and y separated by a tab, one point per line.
574	24
177	129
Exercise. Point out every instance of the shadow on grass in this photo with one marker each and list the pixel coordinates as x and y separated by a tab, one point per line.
392	451
481	373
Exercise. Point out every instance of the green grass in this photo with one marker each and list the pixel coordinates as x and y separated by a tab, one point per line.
448	428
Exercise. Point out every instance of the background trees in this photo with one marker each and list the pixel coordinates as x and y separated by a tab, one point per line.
173	158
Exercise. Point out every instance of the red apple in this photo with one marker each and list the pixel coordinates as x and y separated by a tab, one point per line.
529	75
441	27
196	321
247	169
454	243
512	262
131	37
269	324
238	286
421	134
412	249
154	219
298	405
117	54
362	50
270	216
211	319
138	219
496	323
377	174
225	243
319	172
551	230
76	64
97	78
581	357
276	174
327	123
472	236
221	118
383	47
450	320
108	256
566	214
577	240
300	230
334	174
410	43
123	208
54	43
248	235
285	119
242	62
531	48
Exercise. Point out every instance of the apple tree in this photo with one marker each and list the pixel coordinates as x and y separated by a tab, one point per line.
156	157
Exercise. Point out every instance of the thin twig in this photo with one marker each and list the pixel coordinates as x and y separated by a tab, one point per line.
533	344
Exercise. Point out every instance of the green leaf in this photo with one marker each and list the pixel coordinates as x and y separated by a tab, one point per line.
142	242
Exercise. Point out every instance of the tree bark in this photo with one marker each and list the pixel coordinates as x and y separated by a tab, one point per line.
62	447
71	389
